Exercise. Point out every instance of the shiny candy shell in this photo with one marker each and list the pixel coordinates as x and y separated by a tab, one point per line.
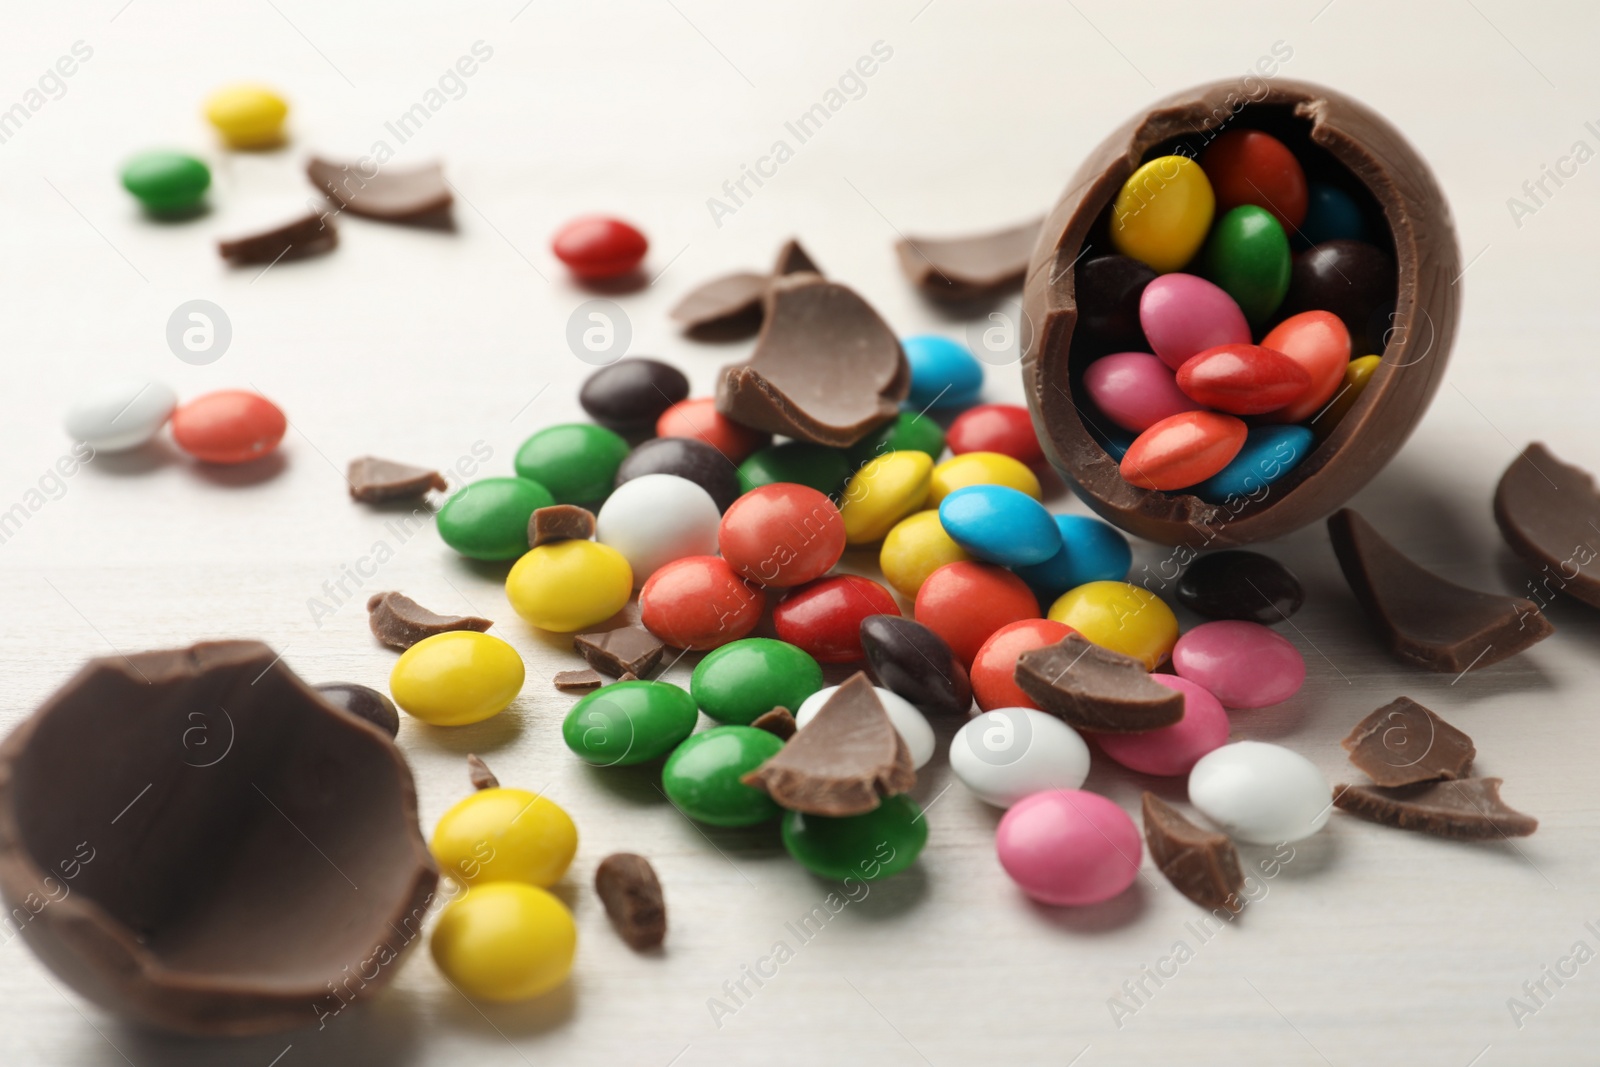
818	466
745	679
566	586
1243	379
1135	390
701	777
120	415
1243	664
166	183
883	842
456	678
1269	453
1354	280
1260	793
685	458
629	722
1069	847
913	662
1181	450
1003	428
504	835
914	549
1120	616
700	603
655	519
998	524
943	373
629	395
595	247
966	602
910	723
1173	750
824	617
1162	213
1331	215
247	116
228	426
1252	167
576	461
1248	256
782	535
1183	315
699	420
488	519
1007	754
1319	342
504	942
882	493
911	431
1356	376
1091	551
981	468
994	668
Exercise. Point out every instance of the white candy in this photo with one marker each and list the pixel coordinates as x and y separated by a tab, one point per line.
655	519
1010	753
1260	793
119	415
911	724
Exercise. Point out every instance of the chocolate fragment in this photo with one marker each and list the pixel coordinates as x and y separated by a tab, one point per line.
631	893
778	722
1423	618
1468	809
627	676
582	681
623	650
792	259
304	237
965	268
1094	688
629	395
479	774
560	522
373	480
1201	864
400	622
1549	513
363	703
418	195
730	307
844	762
1403	743
1236	584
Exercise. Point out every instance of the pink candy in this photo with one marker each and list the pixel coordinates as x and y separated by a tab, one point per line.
1067	846
1135	390
1173	750
1183	315
1243	664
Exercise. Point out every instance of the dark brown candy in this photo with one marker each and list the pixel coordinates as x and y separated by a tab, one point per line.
1094	688
308	236
560	522
373	480
418	195
631	893
585	680
1109	288
1201	864
479	774
778	722
1468	809
400	622
1403	743
913	662
687	458
620	651
363	703
629	395
1422	618
1352	279
1549	513
1236	584
847	759
967	268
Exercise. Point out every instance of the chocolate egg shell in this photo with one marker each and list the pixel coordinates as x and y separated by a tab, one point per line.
1338	140
196	841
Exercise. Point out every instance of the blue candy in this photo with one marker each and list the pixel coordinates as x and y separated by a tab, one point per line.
1331	214
943	373
1268	454
1091	551
1000	525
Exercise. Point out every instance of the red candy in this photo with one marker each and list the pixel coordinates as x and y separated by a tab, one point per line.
595	246
824	618
700	420
1319	342
994	668
1251	167
966	602
1243	379
229	426
782	534
1182	450
698	602
1003	428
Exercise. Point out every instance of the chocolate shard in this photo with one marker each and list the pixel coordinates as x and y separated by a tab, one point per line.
1549	513
1423	618
627	676
966	268
373	480
729	306
479	774
308	236
792	259
847	759
1201	864
1469	809
826	368
400	622
1094	688
779	721
1403	743
581	681
625	650
631	893
560	522
415	195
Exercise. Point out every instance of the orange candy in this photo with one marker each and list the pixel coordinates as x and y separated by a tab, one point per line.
229	426
1319	342
700	420
966	602
1184	449
995	666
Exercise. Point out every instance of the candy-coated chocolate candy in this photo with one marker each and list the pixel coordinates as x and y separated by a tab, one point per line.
699	602
1259	793
1173	750
166	183
1135	390
363	702
1107	289
567	586
1115	442
120	415
505	941
1242	664
625	723
1352	279
782	535
1242	379
1183	315
505	835
998	524
247	116
882	842
1269	453
702	776
1236	584
966	602
745	679
488	519
882	493
943	373
228	426
1007	754
994	668
824	617
685	458
1161	214
699	420
911	431
1069	847
629	395
1091	551
595	246
818	466
1331	215
1182	450
1357	373
456	678
1003	428
910	723
913	662
1248	256
576	461
1251	167
1318	341
914	549
1120	616
655	519
981	468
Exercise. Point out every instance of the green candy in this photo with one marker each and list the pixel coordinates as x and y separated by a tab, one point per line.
1248	257
629	722
166	183
884	841
822	468
489	518
909	432
576	461
744	680
702	776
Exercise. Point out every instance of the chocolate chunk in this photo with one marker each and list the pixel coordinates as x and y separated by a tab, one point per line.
913	662
1468	809
778	722
627	676
625	649
792	259
373	480
363	703
1108	292
1094	688
687	458
629	395
416	195
631	892
1549	513
1352	279
844	762
1240	585
964	268
1201	864
826	368
400	622
1422	618
730	307
581	681
308	236
479	774
560	522
1403	743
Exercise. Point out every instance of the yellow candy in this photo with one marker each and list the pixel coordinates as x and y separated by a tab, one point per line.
505	941
568	586
455	678
1356	376
914	549
247	116
505	835
982	468
1163	212
1120	616
884	492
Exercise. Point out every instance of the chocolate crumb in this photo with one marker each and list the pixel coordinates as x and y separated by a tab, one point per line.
400	622
1201	864
583	681
631	893
966	268
1403	743
1468	809
479	774
779	721
304	237
627	676
1094	688
560	522
627	649
373	480
419	195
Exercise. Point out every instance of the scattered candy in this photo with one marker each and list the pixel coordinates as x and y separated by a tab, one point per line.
1252	167
631	394
686	458
656	518
1068	847
1173	750
699	420
629	722
910	431
167	183
782	535
456	678
981	468
817	466
247	116
596	247
1003	428
1260	793
915	548
505	835
1240	585
943	373
228	426
882	493
1162	213
1182	450
1183	315
488	519
910	723
1006	754
1122	617
505	941
566	586
877	844
1136	390
824	617
702	776
966	602
631	892
120	415
576	461
915	664
1091	551
994	668
998	524
363	703
743	680
699	603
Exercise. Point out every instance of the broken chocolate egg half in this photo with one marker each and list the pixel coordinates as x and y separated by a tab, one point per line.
1338	142
196	841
